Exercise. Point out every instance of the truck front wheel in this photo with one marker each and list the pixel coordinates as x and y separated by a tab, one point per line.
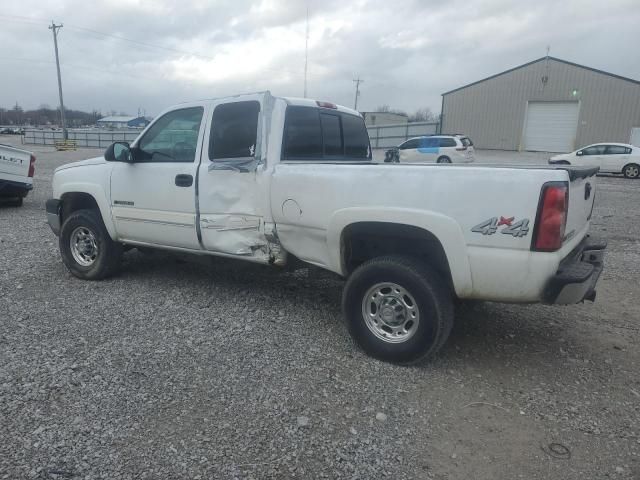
86	247
397	309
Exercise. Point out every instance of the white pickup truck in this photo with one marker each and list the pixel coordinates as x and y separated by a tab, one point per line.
17	168
272	180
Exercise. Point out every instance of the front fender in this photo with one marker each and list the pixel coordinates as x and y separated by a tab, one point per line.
97	191
444	228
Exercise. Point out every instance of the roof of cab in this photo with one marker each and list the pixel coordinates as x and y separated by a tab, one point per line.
309	102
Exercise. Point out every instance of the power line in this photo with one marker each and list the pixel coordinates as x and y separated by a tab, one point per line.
357	81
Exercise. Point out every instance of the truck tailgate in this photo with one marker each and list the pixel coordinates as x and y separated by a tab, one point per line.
14	163
582	192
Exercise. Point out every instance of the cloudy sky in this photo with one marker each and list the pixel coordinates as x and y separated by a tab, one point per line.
125	54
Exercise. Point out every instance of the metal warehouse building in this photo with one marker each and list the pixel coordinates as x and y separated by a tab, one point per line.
548	105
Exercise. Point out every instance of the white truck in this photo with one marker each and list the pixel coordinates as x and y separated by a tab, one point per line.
17	168
272	180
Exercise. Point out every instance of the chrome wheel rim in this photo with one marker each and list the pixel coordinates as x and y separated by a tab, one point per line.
390	312
84	247
632	171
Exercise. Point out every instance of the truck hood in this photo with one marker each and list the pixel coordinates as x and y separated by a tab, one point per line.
82	163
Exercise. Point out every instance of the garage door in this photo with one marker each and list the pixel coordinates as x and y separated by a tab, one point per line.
551	126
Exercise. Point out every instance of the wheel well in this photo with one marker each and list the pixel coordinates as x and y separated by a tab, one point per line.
76	201
365	240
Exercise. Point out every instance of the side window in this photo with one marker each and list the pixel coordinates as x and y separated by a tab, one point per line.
331	135
595	150
447	142
172	138
303	136
410	144
356	137
311	133
234	130
616	150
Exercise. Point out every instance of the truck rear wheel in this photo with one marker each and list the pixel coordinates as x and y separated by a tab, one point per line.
86	247
397	309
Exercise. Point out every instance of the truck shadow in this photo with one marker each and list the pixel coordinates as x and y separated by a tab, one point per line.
484	332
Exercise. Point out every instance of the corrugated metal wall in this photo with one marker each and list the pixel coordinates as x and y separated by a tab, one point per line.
492	112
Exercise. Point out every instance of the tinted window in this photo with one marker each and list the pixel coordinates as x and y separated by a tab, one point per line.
466	142
428	142
447	142
410	144
595	150
172	138
234	130
331	135
310	134
617	150
356	138
303	136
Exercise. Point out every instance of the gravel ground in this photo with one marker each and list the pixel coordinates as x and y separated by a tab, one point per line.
181	369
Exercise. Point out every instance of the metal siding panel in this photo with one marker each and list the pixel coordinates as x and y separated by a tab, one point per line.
492	112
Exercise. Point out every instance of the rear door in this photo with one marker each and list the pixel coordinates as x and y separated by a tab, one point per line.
232	198
429	149
615	158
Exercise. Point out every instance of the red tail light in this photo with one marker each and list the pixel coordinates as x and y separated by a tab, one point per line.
32	166
552	217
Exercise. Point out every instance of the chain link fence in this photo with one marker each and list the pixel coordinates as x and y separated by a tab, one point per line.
83	138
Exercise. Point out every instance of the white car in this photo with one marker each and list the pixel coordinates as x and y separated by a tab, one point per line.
17	167
279	180
437	149
610	157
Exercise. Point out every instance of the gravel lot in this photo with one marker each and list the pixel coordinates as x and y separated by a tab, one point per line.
180	369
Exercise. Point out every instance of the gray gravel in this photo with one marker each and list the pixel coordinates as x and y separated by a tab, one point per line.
181	369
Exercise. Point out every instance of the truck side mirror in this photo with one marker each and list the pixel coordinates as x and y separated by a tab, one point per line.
118	152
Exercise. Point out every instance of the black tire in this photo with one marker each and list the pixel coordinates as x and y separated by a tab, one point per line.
444	160
434	305
631	170
17	202
109	253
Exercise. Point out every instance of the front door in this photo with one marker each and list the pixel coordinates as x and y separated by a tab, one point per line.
232	195
153	199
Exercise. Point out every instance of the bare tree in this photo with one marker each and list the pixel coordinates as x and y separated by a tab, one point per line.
423	115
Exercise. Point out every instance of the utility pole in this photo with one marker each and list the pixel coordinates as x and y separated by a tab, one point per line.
54	28
357	81
306	54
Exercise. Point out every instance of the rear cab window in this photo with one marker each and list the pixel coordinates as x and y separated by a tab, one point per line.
318	134
234	131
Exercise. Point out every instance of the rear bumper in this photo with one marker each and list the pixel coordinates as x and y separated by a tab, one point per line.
53	215
578	274
9	188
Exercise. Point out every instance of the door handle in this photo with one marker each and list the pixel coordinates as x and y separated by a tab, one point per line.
184	180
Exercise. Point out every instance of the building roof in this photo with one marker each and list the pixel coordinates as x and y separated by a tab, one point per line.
118	118
540	60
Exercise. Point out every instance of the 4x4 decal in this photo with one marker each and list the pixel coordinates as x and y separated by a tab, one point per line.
489	227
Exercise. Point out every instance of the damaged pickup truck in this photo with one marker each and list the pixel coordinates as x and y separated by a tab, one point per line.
271	180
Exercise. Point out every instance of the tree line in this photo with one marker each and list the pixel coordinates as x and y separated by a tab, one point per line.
45	115
421	115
